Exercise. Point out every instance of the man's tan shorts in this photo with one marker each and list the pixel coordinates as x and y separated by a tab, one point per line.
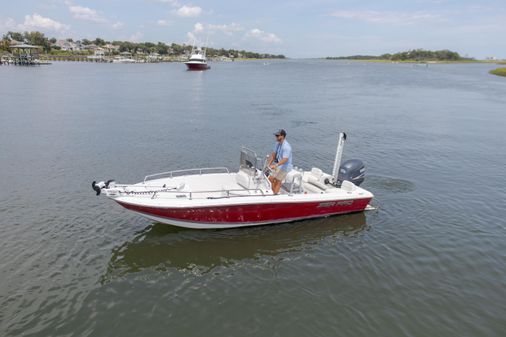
279	174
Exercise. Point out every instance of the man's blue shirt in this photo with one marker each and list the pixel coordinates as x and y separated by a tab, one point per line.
284	150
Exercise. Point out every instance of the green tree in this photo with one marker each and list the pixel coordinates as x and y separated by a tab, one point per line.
38	39
99	42
15	36
4	44
162	48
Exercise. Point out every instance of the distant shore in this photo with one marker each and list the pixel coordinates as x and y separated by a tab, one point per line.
417	62
416	56
33	47
85	58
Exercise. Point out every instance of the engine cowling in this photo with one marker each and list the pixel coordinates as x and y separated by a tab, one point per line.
352	170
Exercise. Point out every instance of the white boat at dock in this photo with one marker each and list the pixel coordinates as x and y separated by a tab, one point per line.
125	57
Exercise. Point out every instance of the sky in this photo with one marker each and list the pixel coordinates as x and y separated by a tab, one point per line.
297	29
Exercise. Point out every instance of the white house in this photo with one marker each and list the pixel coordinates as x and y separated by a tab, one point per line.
67	45
98	54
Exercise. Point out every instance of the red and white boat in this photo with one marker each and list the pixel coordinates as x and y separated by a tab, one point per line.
218	198
198	59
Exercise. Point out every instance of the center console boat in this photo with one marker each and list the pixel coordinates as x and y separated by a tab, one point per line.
217	198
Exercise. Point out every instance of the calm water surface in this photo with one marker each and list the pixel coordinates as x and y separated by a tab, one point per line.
430	262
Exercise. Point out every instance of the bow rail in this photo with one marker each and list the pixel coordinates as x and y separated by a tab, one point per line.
185	172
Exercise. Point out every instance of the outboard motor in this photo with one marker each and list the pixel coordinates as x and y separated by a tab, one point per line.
352	170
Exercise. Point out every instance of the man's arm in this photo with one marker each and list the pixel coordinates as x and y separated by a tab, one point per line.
271	158
281	162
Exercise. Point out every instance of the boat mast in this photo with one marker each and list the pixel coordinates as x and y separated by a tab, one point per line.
204	48
193	48
339	154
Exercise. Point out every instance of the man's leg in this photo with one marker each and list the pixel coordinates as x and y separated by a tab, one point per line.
276	186
273	181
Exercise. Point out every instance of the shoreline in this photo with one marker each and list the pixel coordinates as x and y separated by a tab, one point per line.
418	62
498	72
86	58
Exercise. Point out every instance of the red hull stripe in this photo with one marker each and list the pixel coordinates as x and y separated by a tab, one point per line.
254	213
197	66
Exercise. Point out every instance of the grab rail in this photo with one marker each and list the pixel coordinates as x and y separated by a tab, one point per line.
229	192
199	170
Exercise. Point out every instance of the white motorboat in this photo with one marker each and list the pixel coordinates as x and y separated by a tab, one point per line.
218	198
198	59
124	57
124	60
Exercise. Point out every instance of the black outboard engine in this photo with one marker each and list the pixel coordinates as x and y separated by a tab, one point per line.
352	170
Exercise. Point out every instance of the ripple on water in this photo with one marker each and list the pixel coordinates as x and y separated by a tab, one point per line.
388	184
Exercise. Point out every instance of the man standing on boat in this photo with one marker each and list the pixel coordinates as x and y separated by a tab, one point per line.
280	161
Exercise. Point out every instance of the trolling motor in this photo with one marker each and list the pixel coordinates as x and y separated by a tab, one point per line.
97	187
352	170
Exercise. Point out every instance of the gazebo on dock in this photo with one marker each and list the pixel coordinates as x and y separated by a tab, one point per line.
25	54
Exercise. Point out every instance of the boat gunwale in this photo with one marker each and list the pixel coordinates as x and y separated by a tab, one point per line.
237	201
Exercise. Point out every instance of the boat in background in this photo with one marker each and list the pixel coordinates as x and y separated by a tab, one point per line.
218	198
125	57
123	60
198	59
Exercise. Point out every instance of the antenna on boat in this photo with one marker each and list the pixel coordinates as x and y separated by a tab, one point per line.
339	154
204	49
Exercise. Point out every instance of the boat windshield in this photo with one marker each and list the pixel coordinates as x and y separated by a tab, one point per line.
249	160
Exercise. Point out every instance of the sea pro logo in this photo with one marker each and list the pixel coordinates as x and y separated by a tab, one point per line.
335	203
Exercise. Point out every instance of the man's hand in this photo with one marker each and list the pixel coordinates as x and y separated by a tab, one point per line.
273	166
282	161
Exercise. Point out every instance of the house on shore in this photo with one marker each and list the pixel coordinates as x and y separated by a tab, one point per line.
154	57
110	49
98	55
69	45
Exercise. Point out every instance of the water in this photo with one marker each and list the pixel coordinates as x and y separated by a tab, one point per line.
430	262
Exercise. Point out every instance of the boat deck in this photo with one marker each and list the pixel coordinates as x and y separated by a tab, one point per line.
202	185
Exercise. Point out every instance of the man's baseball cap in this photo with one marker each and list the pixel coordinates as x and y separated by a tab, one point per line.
280	132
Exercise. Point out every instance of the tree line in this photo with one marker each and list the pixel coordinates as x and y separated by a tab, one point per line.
411	55
35	38
39	39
